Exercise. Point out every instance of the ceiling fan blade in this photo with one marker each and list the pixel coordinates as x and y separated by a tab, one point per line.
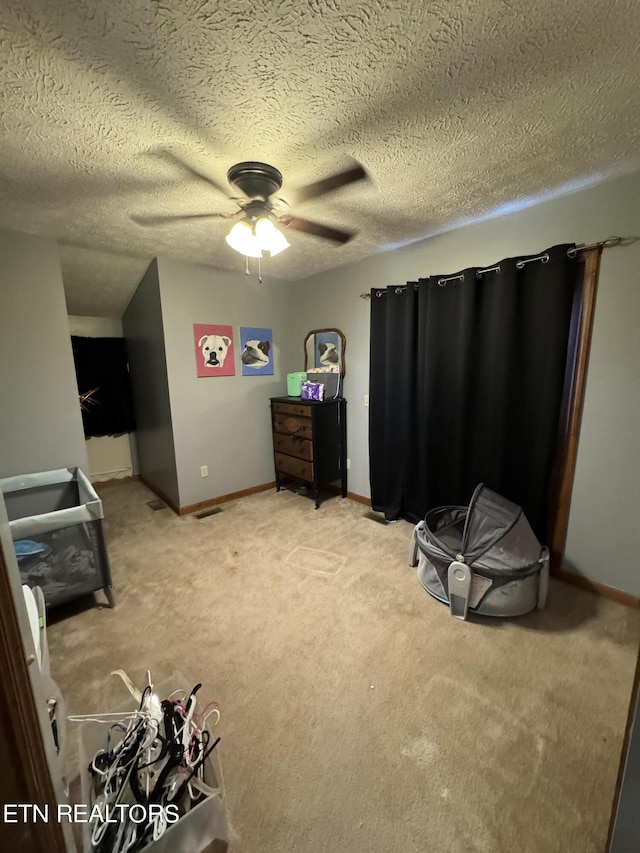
196	173
327	185
160	220
315	228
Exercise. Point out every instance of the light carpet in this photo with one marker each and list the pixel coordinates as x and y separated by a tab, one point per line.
357	715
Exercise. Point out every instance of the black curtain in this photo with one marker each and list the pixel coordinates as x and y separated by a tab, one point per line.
102	364
466	386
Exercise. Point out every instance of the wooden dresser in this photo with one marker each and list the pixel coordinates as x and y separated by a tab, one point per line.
310	443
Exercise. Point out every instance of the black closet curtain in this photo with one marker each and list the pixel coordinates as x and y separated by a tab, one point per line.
102	364
466	385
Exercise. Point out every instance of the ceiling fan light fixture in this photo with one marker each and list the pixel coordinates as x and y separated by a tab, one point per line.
270	239
243	240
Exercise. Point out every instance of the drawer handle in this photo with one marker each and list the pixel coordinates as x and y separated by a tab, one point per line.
292	425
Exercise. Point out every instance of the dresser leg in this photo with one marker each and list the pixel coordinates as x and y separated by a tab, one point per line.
317	499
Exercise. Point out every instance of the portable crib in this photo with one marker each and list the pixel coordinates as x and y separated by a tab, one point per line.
484	558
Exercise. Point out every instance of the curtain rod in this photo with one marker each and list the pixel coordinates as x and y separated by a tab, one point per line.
609	243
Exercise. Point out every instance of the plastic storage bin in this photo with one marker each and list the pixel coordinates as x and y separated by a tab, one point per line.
197	829
330	378
55	518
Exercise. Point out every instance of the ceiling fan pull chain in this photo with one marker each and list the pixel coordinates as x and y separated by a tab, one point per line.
246	265
259	271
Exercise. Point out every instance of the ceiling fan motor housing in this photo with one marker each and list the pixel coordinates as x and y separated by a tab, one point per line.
255	180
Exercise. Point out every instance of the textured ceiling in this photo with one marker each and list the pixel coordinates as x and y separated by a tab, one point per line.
456	109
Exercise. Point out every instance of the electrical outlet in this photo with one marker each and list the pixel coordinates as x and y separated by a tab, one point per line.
204	470
366	399
348	463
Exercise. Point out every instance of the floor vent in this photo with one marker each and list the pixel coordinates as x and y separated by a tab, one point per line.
156	504
207	512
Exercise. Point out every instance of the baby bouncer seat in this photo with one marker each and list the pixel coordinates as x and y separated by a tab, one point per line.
484	558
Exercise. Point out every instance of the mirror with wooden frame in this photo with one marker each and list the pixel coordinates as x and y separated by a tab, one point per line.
325	348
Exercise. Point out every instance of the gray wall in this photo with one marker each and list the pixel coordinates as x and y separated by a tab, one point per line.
143	329
626	826
604	535
40	420
223	422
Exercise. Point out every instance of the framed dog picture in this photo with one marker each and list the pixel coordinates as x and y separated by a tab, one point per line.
256	351
214	350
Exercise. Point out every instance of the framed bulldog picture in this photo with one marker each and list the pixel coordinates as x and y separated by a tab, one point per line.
256	347
214	349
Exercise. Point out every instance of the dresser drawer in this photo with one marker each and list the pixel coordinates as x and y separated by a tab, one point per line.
293	445
295	467
291	409
293	425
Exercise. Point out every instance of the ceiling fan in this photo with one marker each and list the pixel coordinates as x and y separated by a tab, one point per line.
261	210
